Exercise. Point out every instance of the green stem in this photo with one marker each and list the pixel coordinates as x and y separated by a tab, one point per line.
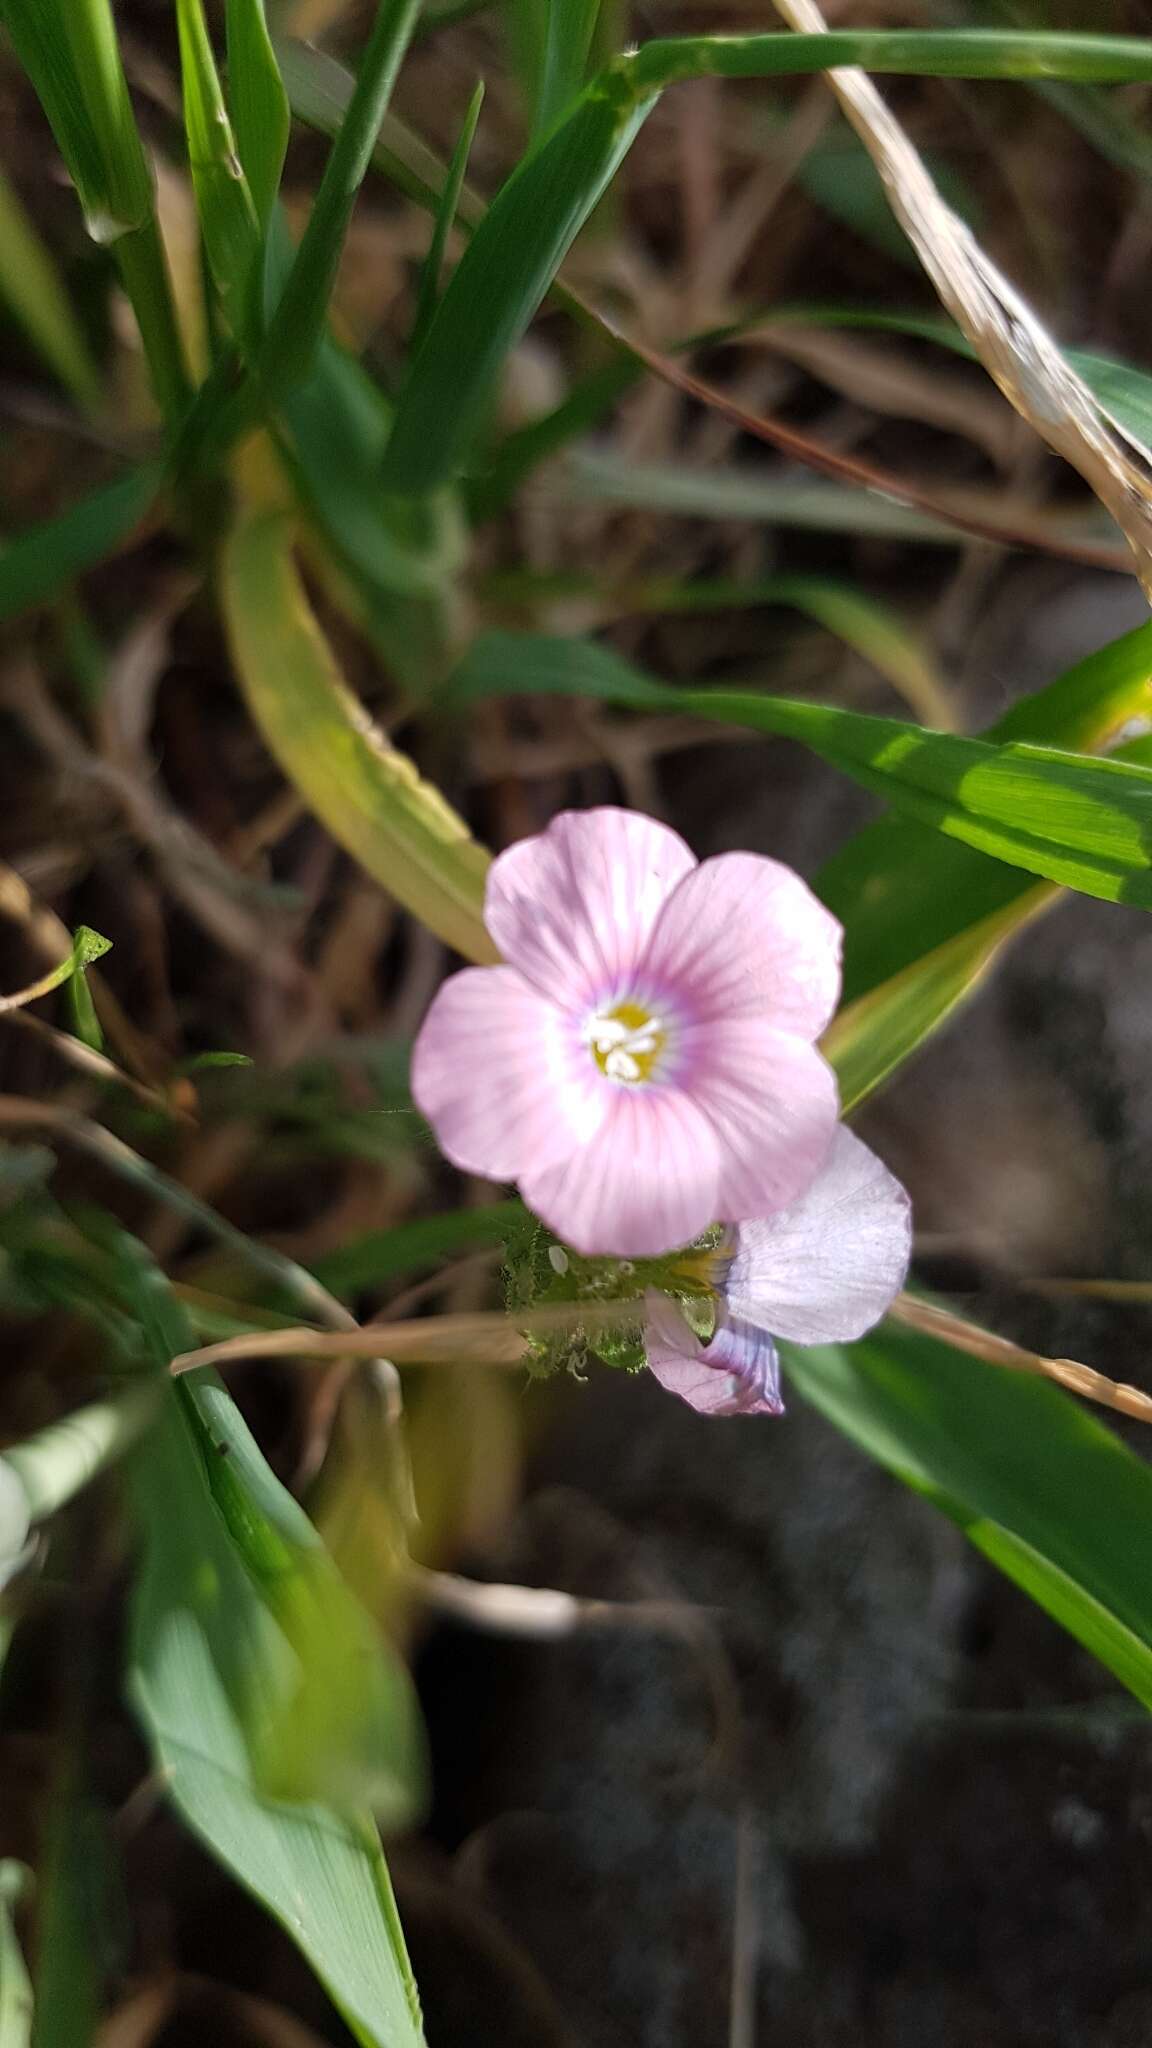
144	275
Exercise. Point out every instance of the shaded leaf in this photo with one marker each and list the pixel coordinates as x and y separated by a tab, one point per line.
1049	1495
38	565
31	284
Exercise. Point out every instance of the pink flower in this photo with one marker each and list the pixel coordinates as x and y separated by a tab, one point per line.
822	1271
645	1062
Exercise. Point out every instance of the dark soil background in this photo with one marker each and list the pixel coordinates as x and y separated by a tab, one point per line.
834	1784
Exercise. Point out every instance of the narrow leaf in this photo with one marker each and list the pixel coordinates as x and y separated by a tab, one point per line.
223	201
31	284
294	335
445	215
371	797
899	889
259	103
213	1654
1071	819
70	52
568	30
498	284
1048	1494
202	1637
38	565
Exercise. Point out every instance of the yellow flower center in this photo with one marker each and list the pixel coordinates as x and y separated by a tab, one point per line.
627	1042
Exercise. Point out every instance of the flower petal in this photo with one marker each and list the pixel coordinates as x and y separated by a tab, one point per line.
745	937
773	1103
644	1184
828	1267
738	1373
497	1073
572	908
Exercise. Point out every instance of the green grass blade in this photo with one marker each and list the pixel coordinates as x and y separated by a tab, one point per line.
429	293
224	203
1066	817
30	283
294	335
1049	1495
260	114
70	52
496	484
497	286
531	224
319	90
45	559
72	1900
751	492
569	27
919	53
346	1728
900	889
15	1984
370	797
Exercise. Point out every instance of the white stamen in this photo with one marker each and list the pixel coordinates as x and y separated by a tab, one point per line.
627	1046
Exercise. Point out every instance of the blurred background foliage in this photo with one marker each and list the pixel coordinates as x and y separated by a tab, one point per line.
367	387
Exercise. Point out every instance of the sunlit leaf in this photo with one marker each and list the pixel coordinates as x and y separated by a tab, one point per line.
1085	823
901	890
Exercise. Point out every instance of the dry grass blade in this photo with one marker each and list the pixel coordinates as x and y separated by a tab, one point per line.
484	1338
1066	1372
1014	346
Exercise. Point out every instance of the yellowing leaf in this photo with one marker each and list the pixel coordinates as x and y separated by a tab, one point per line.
371	797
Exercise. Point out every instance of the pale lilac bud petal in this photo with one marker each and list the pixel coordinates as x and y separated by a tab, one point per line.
827	1268
737	1373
